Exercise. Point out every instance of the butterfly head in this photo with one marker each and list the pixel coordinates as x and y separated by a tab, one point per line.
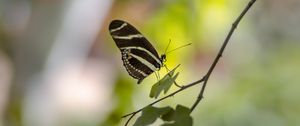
163	58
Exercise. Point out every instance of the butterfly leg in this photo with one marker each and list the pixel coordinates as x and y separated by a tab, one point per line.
157	75
139	81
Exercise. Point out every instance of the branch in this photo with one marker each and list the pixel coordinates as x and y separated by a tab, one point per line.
206	77
132	115
212	67
170	95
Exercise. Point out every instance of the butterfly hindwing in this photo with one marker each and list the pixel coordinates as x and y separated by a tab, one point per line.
138	55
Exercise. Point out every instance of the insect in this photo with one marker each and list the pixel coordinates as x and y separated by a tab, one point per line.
138	55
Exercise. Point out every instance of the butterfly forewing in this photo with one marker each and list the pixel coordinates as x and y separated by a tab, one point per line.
138	55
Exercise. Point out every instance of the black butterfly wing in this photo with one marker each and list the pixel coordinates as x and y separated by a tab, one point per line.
116	29
139	57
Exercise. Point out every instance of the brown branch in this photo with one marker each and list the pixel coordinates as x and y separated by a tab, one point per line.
234	26
170	95
132	115
206	77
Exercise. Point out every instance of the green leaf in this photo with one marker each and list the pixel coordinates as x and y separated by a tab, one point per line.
168	116
183	116
167	124
179	117
164	84
150	114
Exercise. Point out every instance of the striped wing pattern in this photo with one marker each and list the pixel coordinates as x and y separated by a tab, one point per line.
138	55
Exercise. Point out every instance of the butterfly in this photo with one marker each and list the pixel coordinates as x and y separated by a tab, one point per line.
138	55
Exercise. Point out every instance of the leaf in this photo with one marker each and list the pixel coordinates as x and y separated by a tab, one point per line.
150	114
179	117
164	84
183	116
167	124
168	116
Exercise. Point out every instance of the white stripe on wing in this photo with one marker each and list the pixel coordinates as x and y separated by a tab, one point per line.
118	28
145	50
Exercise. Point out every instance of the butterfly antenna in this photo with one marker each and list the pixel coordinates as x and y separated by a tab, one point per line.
179	47
167	46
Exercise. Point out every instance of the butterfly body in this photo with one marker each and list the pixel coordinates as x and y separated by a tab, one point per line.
138	55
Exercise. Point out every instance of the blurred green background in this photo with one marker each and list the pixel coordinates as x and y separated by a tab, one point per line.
60	67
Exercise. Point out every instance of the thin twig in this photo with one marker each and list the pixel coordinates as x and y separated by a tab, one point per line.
206	77
127	122
170	95
234	25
